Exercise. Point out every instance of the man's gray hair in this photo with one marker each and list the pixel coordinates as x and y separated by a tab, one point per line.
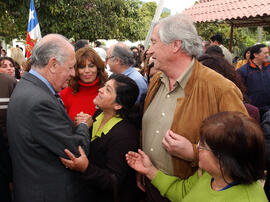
44	51
124	54
180	27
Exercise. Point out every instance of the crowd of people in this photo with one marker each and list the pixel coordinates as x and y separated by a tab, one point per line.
178	121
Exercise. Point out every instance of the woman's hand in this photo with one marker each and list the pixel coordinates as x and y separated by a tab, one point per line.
83	118
141	163
178	146
78	164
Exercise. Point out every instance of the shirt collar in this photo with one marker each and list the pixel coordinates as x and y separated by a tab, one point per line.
128	71
182	79
97	131
42	78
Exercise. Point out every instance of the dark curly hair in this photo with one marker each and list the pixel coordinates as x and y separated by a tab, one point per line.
82	55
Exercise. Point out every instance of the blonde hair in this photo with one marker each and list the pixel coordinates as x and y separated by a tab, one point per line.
17	55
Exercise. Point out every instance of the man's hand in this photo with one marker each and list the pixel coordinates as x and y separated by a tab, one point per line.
83	118
79	164
178	146
141	163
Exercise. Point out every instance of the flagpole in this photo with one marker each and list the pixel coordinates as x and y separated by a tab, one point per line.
154	21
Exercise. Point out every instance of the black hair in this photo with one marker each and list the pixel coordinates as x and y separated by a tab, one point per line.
80	44
214	50
141	46
218	38
98	43
256	49
127	93
223	67
17	70
136	56
245	52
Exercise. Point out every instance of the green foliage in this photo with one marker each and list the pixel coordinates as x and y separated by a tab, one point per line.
147	12
242	37
80	19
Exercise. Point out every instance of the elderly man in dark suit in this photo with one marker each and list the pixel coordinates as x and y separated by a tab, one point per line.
39	128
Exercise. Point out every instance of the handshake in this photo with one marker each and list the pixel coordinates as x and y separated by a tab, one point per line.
83	118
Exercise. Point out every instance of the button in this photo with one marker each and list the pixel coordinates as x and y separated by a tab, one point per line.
151	149
162	114
168	96
157	131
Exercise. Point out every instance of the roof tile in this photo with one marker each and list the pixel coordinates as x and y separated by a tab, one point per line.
213	10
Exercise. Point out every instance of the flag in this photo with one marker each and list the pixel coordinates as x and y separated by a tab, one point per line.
33	30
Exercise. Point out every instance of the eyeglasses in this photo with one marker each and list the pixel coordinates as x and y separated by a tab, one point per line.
201	146
107	58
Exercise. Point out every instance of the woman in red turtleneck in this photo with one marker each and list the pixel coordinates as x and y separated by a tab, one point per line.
90	75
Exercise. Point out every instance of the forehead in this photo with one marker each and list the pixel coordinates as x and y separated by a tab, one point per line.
71	60
87	60
155	35
111	83
264	49
109	51
6	62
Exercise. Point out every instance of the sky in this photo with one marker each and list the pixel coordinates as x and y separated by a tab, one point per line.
176	6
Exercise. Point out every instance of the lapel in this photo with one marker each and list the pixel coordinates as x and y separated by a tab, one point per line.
37	82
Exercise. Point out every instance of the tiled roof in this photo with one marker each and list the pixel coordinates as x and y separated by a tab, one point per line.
225	10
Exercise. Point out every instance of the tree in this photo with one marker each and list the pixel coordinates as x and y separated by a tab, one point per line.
147	12
89	19
243	37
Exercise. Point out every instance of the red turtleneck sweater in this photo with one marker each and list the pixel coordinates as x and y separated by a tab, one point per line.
82	101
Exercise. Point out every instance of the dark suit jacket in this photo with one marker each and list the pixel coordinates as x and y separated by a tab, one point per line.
39	129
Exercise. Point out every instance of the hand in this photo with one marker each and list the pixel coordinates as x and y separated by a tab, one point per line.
141	163
83	118
178	146
79	164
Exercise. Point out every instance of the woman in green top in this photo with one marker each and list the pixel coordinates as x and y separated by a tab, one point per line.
113	134
231	155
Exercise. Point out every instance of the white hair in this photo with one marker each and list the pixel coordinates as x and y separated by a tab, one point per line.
180	27
43	51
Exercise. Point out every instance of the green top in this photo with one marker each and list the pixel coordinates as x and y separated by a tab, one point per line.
197	188
96	131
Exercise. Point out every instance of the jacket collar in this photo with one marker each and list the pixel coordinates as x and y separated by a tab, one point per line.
253	65
156	81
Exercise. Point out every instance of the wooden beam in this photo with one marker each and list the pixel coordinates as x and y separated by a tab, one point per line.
231	38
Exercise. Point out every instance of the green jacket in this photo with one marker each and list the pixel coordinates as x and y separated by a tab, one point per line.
199	189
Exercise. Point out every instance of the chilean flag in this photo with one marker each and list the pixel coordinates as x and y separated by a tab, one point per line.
33	31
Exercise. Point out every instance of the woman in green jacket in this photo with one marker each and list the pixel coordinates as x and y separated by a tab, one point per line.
231	161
